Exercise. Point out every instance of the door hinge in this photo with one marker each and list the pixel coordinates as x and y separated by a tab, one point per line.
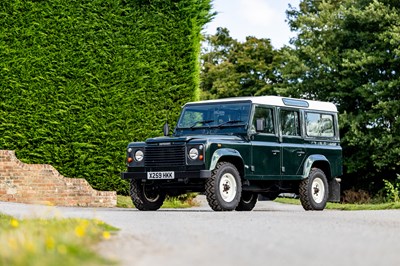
283	169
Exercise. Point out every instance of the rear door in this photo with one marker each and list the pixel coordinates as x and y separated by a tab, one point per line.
266	152
293	150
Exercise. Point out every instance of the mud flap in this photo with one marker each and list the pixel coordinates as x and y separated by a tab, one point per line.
334	190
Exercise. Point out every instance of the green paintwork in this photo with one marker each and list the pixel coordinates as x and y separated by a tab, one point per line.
218	154
266	146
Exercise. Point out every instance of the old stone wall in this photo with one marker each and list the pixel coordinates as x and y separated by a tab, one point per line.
43	184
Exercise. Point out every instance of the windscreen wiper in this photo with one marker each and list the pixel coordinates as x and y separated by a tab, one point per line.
229	122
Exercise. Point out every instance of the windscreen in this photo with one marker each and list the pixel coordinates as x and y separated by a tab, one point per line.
215	115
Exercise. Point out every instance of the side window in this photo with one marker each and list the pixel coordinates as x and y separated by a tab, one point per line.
263	121
319	125
290	124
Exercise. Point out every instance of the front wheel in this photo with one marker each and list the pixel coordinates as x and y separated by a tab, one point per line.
247	201
224	188
146	197
314	190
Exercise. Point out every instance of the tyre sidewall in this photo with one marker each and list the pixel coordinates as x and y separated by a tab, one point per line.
141	201
227	168
247	202
317	174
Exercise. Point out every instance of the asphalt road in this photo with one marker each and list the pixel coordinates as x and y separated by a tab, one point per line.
272	234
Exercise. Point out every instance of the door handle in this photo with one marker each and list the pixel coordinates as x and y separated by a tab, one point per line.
301	153
275	152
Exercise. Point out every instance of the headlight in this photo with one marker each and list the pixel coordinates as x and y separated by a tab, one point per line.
129	150
193	153
139	155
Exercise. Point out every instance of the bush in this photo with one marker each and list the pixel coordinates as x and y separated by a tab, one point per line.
356	197
80	79
392	190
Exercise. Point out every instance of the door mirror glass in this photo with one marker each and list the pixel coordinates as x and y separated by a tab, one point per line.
260	124
166	129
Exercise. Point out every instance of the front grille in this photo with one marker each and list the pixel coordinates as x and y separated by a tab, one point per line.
169	155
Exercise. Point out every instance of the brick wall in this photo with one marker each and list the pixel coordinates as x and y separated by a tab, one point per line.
43	184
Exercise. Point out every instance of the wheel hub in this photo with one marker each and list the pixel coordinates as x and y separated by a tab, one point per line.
318	190
227	187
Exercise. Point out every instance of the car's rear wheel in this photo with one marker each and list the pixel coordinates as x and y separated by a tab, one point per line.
314	190
146	197
247	201
224	187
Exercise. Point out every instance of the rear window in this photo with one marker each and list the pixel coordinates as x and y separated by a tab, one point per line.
319	125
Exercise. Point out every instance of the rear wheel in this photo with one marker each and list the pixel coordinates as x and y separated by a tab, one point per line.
314	190
247	201
223	188
146	197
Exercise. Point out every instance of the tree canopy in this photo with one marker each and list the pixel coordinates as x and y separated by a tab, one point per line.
348	52
231	68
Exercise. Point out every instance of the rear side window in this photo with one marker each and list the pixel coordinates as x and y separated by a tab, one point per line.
319	125
290	125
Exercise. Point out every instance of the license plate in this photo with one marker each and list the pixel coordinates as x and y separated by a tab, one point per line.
160	175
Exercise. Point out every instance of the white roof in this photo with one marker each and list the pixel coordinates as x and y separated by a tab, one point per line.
279	101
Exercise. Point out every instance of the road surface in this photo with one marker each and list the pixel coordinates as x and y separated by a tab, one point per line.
272	234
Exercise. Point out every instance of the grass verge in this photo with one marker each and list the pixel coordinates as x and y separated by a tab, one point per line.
348	207
185	201
60	242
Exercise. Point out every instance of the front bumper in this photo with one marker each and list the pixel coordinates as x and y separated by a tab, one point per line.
178	174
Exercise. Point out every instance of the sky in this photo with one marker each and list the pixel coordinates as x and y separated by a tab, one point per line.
258	18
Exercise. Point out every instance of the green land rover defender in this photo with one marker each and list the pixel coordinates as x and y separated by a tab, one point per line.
236	149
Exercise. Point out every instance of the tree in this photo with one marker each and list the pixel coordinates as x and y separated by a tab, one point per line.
231	68
348	52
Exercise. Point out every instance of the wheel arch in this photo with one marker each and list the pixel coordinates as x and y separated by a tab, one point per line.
228	155
317	161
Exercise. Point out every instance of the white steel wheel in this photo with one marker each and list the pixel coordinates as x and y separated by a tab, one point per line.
224	187
227	187
146	197
151	196
314	190
318	190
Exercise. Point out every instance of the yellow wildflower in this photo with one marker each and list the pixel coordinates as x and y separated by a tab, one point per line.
106	235
14	223
50	243
80	231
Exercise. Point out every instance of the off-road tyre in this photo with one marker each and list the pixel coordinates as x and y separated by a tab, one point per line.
146	197
314	191
247	201
224	187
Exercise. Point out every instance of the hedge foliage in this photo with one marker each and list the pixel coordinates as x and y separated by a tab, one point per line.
79	79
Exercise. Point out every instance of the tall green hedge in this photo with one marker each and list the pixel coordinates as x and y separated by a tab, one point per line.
79	79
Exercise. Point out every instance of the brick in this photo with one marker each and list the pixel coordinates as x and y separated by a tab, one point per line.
41	183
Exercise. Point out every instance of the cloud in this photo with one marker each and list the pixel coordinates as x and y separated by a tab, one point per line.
259	18
257	12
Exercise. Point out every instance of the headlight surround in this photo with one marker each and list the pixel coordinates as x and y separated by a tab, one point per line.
139	155
193	153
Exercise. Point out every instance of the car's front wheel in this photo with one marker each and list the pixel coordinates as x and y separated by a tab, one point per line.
146	197
314	190
224	187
